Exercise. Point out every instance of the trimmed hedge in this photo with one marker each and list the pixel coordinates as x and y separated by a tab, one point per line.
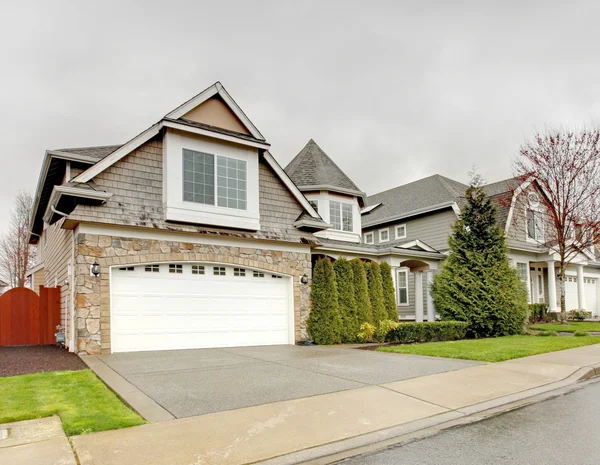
324	321
429	331
389	295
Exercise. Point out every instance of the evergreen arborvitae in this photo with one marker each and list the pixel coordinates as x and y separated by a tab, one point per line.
376	292
346	299
361	292
476	283
389	296
324	323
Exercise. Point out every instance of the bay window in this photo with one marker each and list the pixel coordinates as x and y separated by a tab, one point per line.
340	216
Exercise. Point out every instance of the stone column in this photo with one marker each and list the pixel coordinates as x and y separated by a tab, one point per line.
580	288
430	307
418	296
553	307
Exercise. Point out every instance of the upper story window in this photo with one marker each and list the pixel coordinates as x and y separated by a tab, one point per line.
369	238
535	225
384	235
401	231
340	215
200	173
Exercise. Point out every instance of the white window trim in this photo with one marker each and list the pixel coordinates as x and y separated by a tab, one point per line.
398	271
198	213
372	241
396	231
341	212
388	238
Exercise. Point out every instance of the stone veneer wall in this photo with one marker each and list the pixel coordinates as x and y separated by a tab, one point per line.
92	294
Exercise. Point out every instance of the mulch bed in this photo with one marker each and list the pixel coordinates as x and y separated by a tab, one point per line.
36	359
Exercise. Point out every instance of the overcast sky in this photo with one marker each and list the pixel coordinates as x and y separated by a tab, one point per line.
392	91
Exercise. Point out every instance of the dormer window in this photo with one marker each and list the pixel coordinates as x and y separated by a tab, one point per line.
340	215
200	173
535	225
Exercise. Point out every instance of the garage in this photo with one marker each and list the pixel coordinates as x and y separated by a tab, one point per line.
169	306
590	286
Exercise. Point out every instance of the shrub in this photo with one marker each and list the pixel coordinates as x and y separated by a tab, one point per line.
580	333
429	331
547	333
367	330
324	322
346	299
389	296
375	292
361	292
538	313
577	315
384	328
476	283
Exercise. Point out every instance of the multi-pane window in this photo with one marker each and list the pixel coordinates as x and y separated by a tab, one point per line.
535	225
369	238
384	235
402	287
258	274
126	268
522	269
340	215
219	270
222	184
197	269
178	269
275	276
401	231
239	272
152	268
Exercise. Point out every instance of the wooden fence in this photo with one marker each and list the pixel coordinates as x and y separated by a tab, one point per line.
29	319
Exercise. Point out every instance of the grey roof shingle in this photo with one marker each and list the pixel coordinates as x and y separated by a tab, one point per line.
313	167
95	152
413	197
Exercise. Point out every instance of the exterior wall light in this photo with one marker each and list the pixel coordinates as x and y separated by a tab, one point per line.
304	279
95	268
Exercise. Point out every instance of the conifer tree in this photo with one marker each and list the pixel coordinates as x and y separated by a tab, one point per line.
346	299
389	296
476	283
376	292
361	292
324	322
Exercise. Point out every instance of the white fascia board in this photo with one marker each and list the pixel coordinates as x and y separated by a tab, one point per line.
290	185
121	152
329	188
321	225
456	209
369	208
35	269
216	88
417	243
59	191
215	135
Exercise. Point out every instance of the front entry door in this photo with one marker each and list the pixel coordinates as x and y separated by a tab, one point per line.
537	285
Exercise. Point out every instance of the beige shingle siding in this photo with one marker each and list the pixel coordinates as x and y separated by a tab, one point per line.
432	229
57	254
136	182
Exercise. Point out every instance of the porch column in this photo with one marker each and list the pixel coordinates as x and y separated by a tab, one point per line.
580	288
553	307
418	296
430	307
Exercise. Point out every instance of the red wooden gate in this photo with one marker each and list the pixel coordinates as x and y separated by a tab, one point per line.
29	319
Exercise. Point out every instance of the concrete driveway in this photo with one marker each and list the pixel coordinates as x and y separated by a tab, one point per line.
195	382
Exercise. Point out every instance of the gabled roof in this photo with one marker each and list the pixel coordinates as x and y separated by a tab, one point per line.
427	194
93	152
312	169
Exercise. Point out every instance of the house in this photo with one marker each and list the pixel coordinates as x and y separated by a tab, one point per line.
428	208
188	235
343	205
3	287
36	278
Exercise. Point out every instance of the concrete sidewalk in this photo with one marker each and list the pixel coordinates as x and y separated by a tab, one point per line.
310	428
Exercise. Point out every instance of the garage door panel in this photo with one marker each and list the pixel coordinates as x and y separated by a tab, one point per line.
162	310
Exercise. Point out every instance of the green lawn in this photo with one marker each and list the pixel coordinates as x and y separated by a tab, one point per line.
82	401
572	327
493	349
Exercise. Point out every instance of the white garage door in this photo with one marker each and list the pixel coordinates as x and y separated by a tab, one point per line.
185	306
591	295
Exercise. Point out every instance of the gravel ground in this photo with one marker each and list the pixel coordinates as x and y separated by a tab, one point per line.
35	359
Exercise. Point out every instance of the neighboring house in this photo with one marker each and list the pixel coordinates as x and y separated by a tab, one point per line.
189	235
340	203
427	208
3	287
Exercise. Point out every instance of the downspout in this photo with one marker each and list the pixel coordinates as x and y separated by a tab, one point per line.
72	284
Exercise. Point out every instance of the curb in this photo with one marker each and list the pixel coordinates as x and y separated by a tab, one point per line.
420	429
